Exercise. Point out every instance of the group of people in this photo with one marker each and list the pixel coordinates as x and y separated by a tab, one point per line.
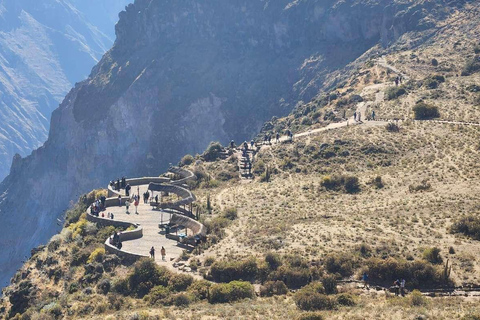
116	241
163	252
98	206
119	183
357	116
146	196
398	285
398	80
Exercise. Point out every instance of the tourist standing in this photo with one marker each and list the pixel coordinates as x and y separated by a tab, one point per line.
152	253
127	205
163	253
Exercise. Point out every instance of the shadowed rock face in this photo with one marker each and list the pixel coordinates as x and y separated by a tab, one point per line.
180	74
45	47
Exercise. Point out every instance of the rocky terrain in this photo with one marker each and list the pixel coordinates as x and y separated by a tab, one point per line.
46	46
182	74
394	197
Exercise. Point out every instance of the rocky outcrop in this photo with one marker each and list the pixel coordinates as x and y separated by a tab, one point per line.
180	74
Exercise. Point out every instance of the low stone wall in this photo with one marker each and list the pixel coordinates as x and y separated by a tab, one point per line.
186	195
108	222
186	175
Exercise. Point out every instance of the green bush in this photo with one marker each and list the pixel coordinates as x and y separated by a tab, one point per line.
180	282
330	284
199	289
394	93
346	299
104	286
392	127
180	300
432	255
225	175
157	295
310	316
472	66
312	297
434	62
187	160
425	111
121	286
226	271
230	292
230	214
213	151
351	185
272	288
146	275
417	273
342	264
469	226
293	277
417	299
348	183
80	257
273	260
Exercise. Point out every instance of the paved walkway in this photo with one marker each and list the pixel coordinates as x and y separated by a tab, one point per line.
149	219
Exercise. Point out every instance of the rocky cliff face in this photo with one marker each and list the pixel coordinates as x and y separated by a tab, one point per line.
45	47
180	74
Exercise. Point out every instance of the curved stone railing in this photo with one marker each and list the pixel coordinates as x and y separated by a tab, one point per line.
180	216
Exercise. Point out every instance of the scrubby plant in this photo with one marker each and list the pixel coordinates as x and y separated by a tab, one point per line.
146	275
472	66
226	271
349	184
230	292
423	111
200	289
417	299
271	288
394	92
469	226
157	295
346	299
230	213
432	255
310	316
273	260
187	160
97	255
392	127
434	62
342	264
213	151
313	297
424	185
330	284
104	286
179	282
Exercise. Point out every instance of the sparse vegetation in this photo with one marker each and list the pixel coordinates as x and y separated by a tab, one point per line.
425	111
469	226
393	93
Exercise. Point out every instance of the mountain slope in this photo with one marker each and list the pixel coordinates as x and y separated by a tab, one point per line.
181	75
45	47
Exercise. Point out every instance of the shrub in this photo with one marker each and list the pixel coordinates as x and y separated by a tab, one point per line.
471	317
104	286
310	316
472	66
434	62
180	300
469	226
213	151
417	299
312	297
157	295
394	93
199	289
351	185
121	286
293	277
392	127
187	160
432	255
425	111
230	214
146	275
97	255
180	282
209	261
225	175
273	260
378	183
229	292
226	271
422	186
346	299
330	285
417	273
271	288
342	264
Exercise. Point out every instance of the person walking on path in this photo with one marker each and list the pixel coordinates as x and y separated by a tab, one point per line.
277	137
359	116
127	190
127	205
136	206
163	253
365	280
119	200
152	253
396	286
373	115
355	116
252	144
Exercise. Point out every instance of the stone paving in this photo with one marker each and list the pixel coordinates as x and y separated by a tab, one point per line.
149	219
